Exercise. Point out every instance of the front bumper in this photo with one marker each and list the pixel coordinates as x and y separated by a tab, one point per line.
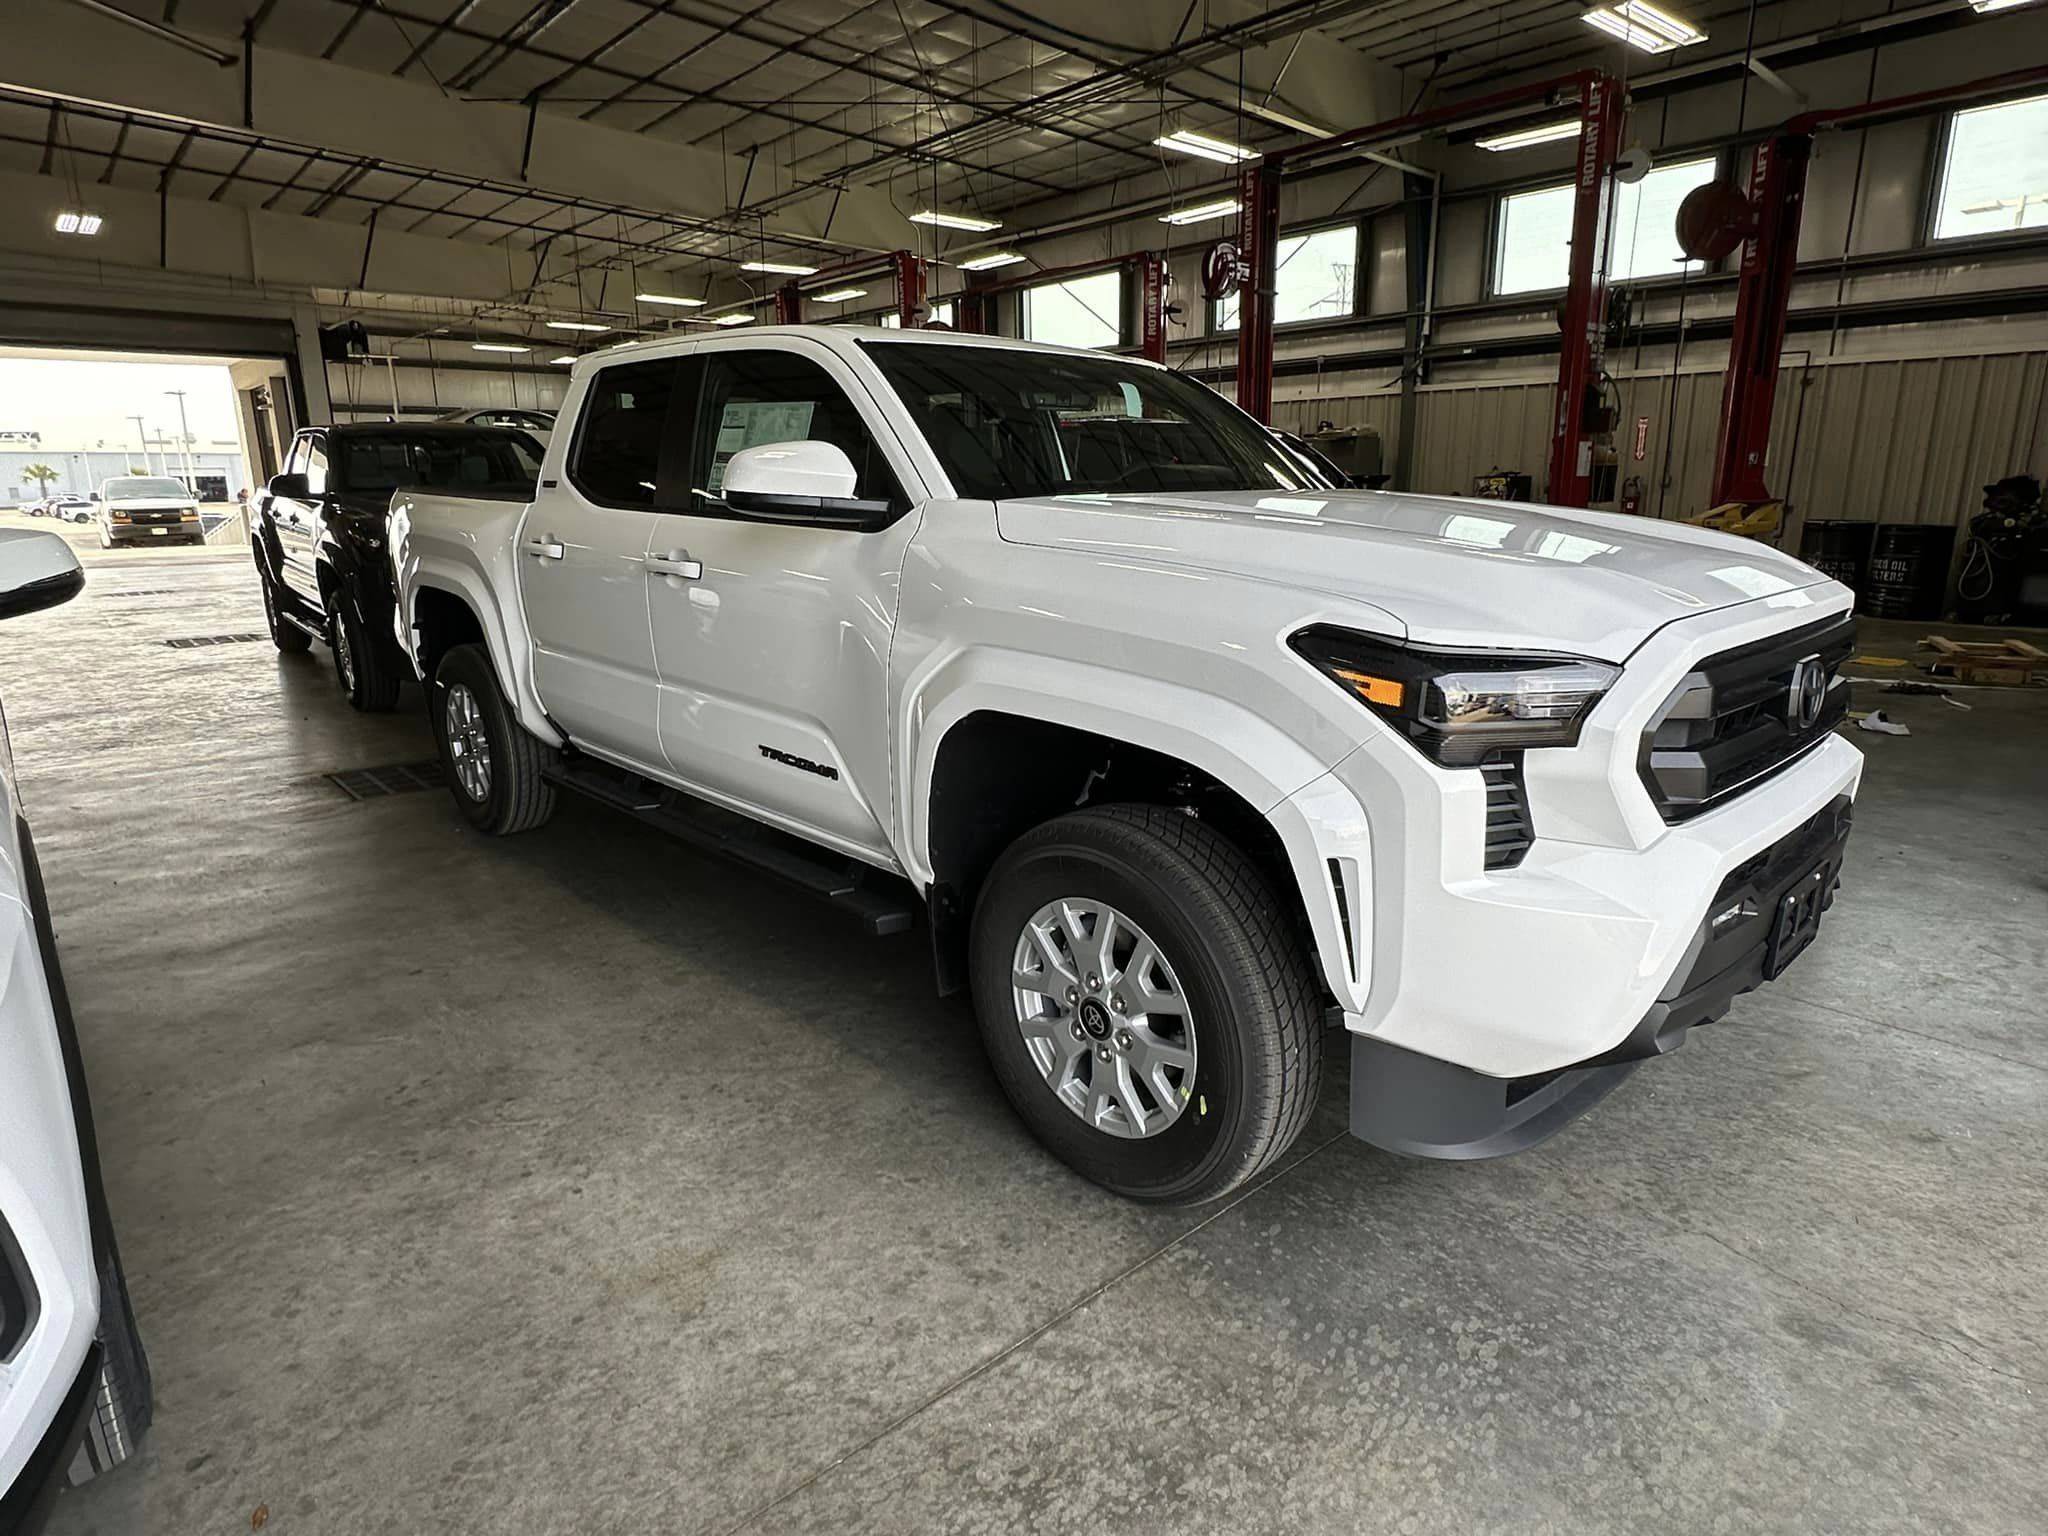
157	533
1415	1104
26	1504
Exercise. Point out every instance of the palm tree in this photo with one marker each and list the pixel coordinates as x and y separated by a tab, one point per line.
42	474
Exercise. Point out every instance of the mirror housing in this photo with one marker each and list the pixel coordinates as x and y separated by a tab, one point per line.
37	570
290	487
801	482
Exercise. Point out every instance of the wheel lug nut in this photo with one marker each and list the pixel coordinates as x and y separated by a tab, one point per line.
1073	994
1116	1003
1094	982
1102	1053
1123	1039
1079	1032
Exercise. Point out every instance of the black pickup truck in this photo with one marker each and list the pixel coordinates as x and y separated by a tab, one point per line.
320	534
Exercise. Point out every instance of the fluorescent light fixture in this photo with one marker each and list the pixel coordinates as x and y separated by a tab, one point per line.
1522	138
1201	212
840	295
576	325
965	221
497	346
1642	25
565	359
991	261
786	268
1186	141
737	317
73	222
668	298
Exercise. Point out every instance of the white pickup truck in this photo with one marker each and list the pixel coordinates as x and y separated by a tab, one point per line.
1181	752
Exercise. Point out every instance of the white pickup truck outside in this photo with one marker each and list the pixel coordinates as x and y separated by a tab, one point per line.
1184	751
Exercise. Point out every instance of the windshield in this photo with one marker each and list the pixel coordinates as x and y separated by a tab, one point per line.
135	487
443	460
1007	422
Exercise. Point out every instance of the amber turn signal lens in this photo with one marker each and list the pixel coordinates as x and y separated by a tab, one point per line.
1374	690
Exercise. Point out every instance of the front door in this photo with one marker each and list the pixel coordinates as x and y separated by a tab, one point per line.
581	554
772	639
292	518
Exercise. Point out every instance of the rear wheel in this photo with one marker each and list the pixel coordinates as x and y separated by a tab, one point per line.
284	634
1145	1003
494	766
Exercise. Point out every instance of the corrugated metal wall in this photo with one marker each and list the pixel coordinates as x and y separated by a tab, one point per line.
1903	441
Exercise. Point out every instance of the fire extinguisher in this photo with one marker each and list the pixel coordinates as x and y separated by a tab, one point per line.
1632	495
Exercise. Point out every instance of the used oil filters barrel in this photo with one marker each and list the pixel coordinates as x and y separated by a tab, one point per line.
1841	549
1908	571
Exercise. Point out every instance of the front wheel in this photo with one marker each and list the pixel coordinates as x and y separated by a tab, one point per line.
1146	1004
493	765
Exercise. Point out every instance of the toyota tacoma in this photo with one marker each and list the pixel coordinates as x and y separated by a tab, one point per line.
1180	750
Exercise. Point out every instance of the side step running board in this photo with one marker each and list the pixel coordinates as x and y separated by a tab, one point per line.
842	883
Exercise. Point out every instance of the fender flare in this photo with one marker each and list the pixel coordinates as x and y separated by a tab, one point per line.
505	636
1312	813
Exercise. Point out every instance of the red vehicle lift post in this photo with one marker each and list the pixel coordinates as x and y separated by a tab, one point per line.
1763	295
1602	108
908	267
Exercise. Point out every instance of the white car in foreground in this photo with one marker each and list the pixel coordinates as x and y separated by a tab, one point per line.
1179	750
74	1383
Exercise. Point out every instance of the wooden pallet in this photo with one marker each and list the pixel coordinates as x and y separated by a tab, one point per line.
1986	661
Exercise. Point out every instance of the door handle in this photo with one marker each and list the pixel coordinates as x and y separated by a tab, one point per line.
544	549
677	564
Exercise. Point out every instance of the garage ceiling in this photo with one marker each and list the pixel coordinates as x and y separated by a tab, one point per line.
997	107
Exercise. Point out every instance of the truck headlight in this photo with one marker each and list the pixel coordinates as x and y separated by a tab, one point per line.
1459	706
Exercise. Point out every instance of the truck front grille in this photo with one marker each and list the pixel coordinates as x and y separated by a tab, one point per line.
1738	717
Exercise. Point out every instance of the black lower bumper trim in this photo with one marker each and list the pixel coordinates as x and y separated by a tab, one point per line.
1418	1105
25	1506
1421	1107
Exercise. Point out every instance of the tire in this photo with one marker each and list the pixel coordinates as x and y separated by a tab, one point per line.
511	795
1250	1015
285	635
361	666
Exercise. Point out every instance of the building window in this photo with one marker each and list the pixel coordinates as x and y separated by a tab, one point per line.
1315	278
941	313
1077	312
1532	241
1994	177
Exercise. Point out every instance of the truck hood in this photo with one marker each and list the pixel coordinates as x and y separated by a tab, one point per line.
1451	570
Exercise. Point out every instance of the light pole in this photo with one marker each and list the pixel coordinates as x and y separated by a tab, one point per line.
142	437
185	441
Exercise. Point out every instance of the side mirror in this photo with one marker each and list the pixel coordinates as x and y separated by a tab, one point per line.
290	487
37	571
806	482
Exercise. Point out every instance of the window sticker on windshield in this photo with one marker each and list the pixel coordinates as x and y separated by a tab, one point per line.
750	423
1132	405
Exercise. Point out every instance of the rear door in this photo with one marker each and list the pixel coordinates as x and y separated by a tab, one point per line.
773	656
581	555
294	518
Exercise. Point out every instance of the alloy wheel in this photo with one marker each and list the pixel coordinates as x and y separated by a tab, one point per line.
1104	1018
469	745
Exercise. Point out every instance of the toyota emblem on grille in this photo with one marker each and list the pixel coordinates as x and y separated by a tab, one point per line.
1807	694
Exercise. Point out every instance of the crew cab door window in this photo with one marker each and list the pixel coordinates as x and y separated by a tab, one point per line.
623	433
316	465
762	396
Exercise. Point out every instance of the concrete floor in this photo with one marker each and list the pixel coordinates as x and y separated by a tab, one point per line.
573	1183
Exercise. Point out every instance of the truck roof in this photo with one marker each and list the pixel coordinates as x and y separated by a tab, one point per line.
846	340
